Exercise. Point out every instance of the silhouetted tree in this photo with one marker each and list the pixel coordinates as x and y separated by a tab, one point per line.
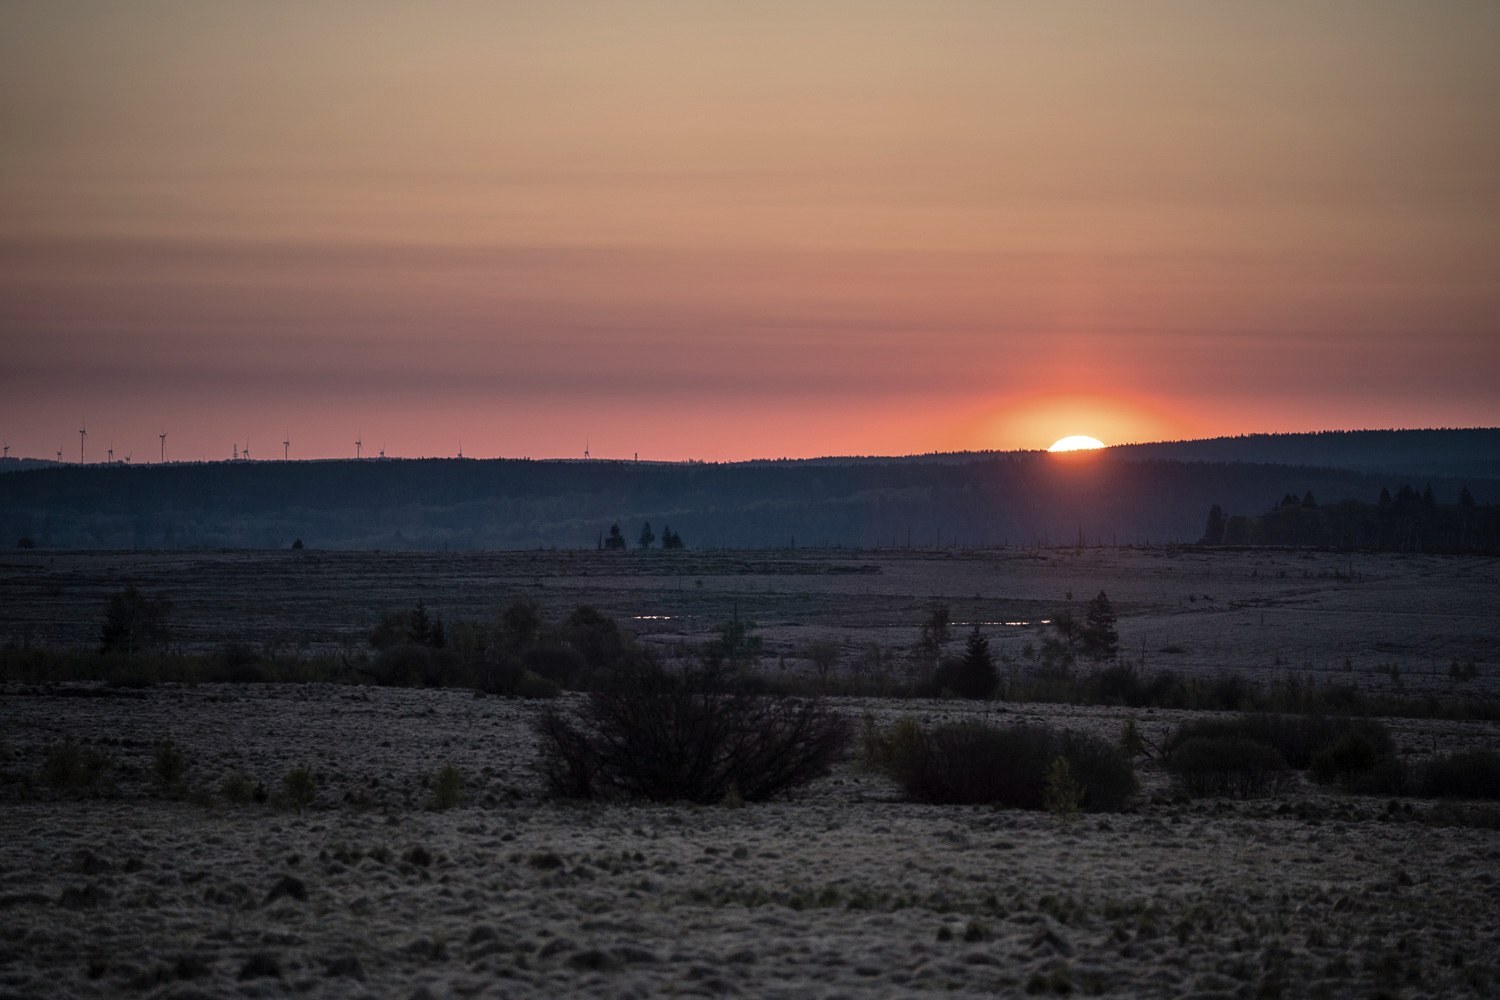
936	630
1237	530
615	541
1061	643
520	625
1213	531
670	539
1099	641
736	644
647	535
135	622
824	656
975	675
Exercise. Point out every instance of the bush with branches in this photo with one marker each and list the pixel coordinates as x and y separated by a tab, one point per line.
1231	766
699	735
1467	774
972	763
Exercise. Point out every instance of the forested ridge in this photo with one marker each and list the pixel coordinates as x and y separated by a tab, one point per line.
1023	498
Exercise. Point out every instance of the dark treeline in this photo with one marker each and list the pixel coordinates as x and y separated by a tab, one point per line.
1017	499
1461	453
1404	521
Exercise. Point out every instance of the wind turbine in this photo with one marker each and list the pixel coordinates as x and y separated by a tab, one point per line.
59	455
358	445
382	449
83	432
286	446
163	436
460	446
585	449
7	451
246	452
111	453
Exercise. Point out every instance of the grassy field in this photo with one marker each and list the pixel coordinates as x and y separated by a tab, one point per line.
1388	623
216	883
841	890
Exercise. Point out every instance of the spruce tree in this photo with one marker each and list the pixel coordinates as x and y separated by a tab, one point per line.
1100	641
976	676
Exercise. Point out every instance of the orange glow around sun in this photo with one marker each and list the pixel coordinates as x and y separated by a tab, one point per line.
1077	442
1032	421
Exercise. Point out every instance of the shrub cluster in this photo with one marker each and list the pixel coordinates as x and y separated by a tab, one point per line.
973	763
68	767
1228	765
1255	754
1467	774
699	735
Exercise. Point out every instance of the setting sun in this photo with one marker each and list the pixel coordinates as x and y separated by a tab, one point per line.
1077	442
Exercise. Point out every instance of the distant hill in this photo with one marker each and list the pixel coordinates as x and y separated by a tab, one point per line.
1123	495
1470	452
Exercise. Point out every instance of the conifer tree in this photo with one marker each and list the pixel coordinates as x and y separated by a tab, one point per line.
1100	640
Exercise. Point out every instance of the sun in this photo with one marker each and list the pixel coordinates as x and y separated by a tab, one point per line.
1077	442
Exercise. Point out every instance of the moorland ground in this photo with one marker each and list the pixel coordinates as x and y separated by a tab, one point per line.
1385	622
841	890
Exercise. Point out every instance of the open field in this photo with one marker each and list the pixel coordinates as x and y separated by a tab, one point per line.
841	891
1385	622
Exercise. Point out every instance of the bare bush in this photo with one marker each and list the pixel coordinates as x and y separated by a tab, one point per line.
696	735
1229	766
1467	774
971	763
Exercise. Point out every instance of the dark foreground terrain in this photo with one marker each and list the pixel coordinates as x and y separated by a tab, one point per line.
841	891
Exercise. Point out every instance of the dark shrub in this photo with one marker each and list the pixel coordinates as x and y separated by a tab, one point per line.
971	763
560	665
595	637
70	767
1106	775
1164	690
239	788
530	685
299	788
890	751
1468	774
169	767
135	622
1227	693
1228	765
447	788
1115	685
1345	760
697	736
1296	737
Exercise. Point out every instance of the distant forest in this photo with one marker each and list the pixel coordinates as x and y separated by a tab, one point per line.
1120	496
1407	521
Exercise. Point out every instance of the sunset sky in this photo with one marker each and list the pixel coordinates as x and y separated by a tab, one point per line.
734	230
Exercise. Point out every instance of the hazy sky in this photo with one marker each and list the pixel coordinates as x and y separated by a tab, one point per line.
730	230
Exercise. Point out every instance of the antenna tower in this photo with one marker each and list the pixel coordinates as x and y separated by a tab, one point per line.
163	436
